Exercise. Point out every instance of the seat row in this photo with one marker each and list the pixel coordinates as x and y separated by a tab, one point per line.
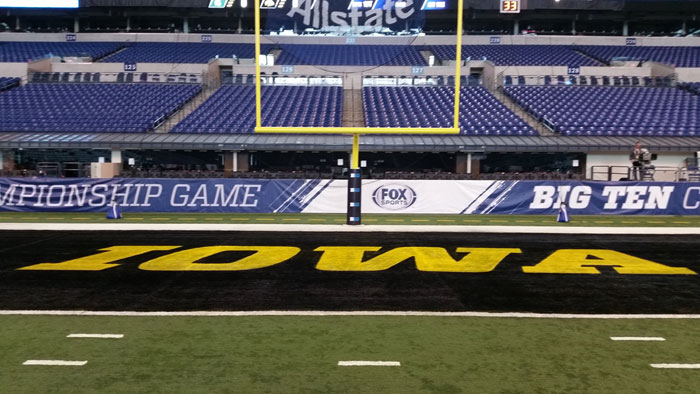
587	110
114	107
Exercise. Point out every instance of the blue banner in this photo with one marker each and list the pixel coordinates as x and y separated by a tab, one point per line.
155	195
330	196
591	198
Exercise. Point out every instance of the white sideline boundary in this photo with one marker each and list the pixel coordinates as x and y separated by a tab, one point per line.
411	228
525	315
652	339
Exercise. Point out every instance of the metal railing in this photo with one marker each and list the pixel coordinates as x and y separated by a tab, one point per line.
645	173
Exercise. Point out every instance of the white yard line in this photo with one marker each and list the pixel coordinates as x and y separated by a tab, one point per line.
99	336
369	363
676	366
349	313
245	227
55	362
638	338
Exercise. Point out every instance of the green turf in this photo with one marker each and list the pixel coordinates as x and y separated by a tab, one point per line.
377	219
286	354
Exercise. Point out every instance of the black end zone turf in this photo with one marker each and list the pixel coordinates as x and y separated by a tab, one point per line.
297	285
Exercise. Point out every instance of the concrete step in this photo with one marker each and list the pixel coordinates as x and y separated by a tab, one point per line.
531	120
353	113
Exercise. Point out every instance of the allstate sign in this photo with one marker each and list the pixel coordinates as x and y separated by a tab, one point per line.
394	196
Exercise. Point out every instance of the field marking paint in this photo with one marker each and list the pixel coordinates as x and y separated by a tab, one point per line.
100	336
245	227
676	366
638	338
525	315
62	363
369	363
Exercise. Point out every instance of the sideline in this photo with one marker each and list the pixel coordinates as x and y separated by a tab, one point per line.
525	315
324	228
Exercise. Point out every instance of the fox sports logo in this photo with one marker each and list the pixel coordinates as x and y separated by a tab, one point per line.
394	197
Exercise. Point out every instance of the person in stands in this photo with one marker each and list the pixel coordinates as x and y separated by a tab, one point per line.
636	159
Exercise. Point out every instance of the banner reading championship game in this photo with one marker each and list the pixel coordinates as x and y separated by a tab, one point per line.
330	196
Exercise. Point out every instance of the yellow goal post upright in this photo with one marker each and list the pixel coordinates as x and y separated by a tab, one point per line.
354	179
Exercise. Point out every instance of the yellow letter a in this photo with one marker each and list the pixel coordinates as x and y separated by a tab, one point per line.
577	261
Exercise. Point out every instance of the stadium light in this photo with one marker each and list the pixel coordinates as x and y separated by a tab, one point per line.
244	3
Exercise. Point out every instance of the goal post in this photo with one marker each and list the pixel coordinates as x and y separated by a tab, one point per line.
354	182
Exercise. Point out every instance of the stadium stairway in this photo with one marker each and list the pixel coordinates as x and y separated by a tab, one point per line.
186	109
524	115
427	54
124	48
595	59
353	112
275	53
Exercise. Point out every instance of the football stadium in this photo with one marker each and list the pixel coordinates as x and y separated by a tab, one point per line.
349	196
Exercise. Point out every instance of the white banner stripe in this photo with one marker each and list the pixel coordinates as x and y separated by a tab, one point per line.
369	363
108	336
676	366
349	313
55	362
638	338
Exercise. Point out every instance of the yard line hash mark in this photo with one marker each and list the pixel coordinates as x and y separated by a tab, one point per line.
369	364
106	336
62	363
676	366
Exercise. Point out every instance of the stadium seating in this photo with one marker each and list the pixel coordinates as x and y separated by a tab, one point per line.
517	55
93	107
7	83
609	110
692	87
676	56
232	109
480	112
352	55
171	52
24	51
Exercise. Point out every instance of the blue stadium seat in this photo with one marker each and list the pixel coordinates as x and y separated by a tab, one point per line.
90	107
480	112
591	110
231	109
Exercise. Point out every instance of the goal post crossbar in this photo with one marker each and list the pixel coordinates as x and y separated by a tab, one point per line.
356	130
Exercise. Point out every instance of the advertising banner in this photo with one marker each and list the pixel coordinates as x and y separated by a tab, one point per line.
330	196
